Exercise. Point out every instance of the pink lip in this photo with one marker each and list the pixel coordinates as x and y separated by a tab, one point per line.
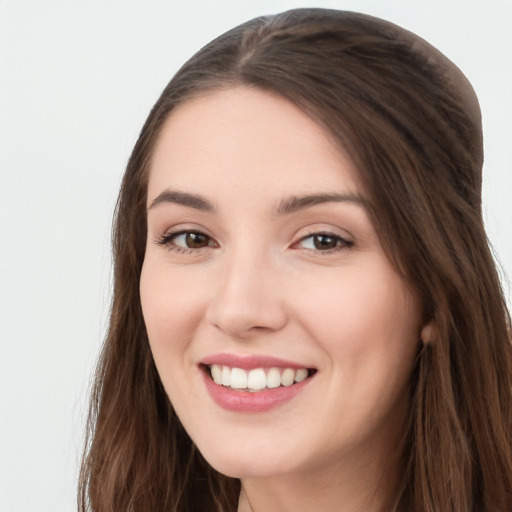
245	401
250	362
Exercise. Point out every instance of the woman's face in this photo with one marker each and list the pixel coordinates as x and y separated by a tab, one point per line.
263	268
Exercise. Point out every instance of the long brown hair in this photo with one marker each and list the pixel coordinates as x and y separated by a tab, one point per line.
411	123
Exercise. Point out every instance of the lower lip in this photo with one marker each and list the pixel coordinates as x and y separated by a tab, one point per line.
246	401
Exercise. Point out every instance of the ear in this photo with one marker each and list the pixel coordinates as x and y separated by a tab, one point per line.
427	333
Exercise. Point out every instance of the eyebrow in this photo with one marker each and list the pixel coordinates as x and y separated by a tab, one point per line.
183	198
284	207
296	203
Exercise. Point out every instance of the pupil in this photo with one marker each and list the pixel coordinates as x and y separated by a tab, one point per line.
325	242
196	240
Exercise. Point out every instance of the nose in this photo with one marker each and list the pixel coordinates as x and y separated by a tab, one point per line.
248	299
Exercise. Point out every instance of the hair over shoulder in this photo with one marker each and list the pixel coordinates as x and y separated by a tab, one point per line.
410	121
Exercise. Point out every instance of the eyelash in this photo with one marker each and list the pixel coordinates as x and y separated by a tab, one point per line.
342	244
167	241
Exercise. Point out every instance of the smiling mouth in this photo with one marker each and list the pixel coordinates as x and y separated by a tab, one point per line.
257	379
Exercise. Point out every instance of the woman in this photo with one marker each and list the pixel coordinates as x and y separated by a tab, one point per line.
306	313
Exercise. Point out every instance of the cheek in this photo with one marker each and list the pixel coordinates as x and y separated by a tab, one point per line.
172	309
368	326
365	319
172	305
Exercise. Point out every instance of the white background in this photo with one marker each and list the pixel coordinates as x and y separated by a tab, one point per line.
77	80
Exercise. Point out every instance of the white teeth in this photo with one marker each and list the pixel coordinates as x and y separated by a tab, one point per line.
226	376
288	377
216	373
256	379
301	374
238	378
273	378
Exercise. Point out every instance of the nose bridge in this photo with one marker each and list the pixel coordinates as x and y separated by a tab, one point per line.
247	297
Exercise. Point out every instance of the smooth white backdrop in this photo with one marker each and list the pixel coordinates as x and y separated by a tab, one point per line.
77	80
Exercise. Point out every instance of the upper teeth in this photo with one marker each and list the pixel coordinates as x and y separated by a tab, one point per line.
259	378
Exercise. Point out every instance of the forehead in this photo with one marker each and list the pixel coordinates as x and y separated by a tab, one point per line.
248	140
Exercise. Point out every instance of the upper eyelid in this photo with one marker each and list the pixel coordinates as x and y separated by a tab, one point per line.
169	235
346	241
180	229
320	231
307	232
331	231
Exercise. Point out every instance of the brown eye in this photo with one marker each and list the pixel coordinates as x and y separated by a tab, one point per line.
196	240
186	240
325	242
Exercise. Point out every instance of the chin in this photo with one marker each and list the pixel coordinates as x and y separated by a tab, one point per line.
247	462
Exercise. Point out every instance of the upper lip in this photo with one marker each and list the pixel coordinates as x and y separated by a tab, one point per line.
249	362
